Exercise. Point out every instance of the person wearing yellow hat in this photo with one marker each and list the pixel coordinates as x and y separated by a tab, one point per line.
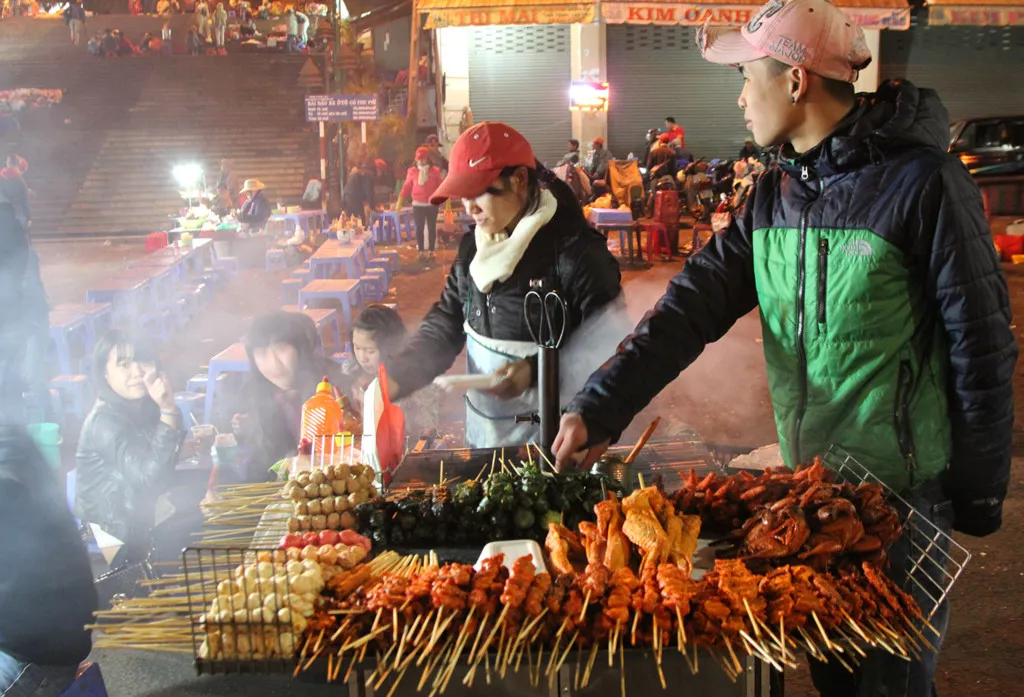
255	212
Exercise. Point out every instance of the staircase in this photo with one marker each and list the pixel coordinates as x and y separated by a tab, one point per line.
197	110
101	161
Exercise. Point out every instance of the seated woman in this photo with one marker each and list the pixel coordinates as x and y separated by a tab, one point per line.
255	212
129	443
46	591
377	335
284	372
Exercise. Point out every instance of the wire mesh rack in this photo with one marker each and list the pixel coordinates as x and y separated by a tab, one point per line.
933	560
243	611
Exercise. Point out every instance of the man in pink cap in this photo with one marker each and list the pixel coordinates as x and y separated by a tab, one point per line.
885	315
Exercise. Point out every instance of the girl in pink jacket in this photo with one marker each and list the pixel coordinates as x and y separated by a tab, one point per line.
421	181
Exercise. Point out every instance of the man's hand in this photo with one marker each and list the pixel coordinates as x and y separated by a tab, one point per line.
571	439
159	389
513	380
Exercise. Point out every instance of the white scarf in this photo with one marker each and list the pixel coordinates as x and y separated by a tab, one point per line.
498	254
424	173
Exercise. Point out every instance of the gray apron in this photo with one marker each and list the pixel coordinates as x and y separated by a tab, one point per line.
491	422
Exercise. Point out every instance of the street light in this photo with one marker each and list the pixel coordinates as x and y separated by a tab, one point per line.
188	176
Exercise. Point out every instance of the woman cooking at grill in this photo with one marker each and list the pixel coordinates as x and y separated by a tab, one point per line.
529	226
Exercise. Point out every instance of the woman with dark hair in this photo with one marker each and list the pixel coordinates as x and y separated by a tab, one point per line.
421	181
129	443
284	372
529	226
378	334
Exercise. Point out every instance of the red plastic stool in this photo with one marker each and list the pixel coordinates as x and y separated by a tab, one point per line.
657	239
155	241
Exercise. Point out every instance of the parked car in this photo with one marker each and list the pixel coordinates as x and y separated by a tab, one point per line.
989	146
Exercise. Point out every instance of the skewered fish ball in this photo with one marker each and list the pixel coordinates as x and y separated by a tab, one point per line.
319	522
313	507
317	477
302	478
333	521
311	490
339	486
327	505
326	490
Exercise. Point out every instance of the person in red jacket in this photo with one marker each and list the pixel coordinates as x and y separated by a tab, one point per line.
421	181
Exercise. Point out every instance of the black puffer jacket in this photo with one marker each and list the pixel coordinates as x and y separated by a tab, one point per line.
567	253
126	457
46	591
893	341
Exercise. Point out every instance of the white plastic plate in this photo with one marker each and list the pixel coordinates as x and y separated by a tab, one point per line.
513	549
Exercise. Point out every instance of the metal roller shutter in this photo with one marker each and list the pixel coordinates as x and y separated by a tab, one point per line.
654	72
976	70
521	76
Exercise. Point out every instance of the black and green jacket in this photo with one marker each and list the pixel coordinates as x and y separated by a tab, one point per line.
885	314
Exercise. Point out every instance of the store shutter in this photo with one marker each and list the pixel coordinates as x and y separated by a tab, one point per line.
975	70
521	76
654	72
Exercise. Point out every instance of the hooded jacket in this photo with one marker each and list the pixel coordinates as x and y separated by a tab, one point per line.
885	314
126	457
566	252
46	590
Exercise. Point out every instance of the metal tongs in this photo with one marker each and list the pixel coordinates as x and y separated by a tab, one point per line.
547	334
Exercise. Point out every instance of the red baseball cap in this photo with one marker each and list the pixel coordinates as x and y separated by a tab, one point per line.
421	153
479	156
812	34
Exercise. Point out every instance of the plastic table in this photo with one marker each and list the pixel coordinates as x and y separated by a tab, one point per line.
308	221
126	296
98	317
63	326
233	359
347	256
346	291
323	318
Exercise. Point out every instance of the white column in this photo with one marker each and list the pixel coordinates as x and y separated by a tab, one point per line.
588	59
868	79
453	45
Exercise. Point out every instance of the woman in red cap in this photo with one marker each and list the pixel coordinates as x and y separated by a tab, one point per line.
421	181
528	226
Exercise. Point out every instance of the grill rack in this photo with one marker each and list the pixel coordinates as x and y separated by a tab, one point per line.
936	560
205	568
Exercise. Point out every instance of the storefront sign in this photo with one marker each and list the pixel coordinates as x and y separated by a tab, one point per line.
342	107
695	15
537	14
953	15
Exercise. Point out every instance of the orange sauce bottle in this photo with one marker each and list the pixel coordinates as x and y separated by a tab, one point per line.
321	416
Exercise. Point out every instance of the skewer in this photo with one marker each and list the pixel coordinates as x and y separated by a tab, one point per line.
856	627
579	665
681	629
828	642
641	442
636	619
565	655
622	666
732	655
759	649
586	601
590	666
815	651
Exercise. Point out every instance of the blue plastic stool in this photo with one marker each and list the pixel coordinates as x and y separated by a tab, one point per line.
88	682
191	404
375	283
382	263
290	288
276	260
391	254
304	275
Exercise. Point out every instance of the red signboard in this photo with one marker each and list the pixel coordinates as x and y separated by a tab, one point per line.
695	15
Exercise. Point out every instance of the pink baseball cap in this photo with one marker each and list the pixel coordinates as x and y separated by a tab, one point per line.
478	158
812	34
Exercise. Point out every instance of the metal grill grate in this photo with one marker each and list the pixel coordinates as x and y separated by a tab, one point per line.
936	560
223	643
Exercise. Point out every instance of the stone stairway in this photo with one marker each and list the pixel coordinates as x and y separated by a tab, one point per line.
101	162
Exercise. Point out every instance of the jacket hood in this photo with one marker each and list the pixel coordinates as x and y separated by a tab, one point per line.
896	118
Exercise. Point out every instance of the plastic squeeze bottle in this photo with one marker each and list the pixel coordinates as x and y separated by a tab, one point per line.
321	416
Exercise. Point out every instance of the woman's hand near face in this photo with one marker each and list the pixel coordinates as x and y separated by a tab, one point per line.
513	380
159	389
241	425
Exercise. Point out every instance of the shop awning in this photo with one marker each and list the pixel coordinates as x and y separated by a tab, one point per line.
475	13
976	13
870	14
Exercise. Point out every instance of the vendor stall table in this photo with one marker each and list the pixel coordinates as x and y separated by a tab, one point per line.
233	359
609	220
193	259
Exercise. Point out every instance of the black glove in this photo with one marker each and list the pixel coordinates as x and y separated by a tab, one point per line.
977	517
